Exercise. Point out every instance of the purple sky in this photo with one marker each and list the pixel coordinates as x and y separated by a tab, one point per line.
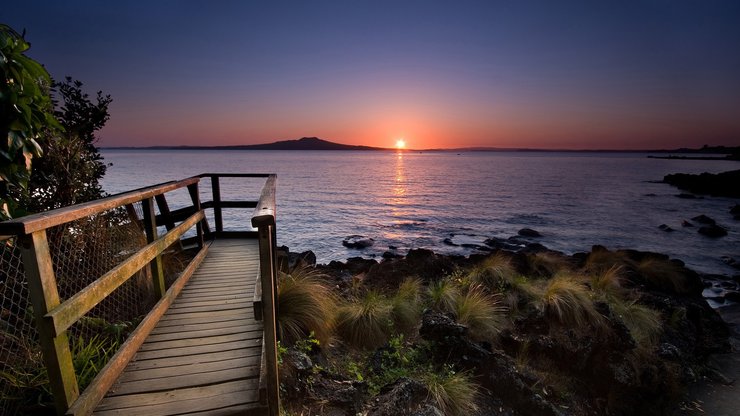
554	74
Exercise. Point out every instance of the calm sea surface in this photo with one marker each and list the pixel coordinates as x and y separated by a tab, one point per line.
411	200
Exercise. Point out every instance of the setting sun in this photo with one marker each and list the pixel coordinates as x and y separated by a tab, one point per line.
400	144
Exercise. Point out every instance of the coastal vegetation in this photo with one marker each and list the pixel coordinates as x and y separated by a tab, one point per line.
531	332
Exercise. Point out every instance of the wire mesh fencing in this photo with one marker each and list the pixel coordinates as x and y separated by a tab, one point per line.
81	252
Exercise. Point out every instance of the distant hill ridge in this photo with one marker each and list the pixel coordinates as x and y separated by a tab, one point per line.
304	143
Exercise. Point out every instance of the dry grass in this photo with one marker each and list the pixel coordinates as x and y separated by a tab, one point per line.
453	393
547	264
493	272
663	274
365	322
568	300
480	312
645	324
602	260
608	283
406	305
305	303
442	295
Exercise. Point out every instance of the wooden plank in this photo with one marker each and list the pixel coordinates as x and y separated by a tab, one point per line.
188	334
179	381
241	410
69	312
35	222
202	227
189	369
200	349
241	323
230	297
44	296
183	401
200	316
183	360
205	340
240	300
107	376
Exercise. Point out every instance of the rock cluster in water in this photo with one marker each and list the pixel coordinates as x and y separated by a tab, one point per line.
721	184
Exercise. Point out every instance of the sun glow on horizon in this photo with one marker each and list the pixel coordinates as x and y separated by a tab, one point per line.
400	144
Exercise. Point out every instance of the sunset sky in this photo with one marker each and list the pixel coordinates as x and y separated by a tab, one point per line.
534	74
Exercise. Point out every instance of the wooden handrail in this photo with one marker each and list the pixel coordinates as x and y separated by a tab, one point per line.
263	219
43	220
265	211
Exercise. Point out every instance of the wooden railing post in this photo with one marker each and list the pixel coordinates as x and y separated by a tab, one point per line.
268	279
202	226
42	287
217	216
150	226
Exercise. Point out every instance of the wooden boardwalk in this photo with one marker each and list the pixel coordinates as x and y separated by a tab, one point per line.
203	357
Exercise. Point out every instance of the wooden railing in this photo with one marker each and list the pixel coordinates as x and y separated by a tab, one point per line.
54	317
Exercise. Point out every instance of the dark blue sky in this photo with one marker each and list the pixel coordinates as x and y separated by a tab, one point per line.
558	74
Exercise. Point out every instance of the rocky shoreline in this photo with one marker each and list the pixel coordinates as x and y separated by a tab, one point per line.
608	358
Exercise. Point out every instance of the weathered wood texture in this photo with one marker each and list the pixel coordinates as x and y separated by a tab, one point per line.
204	354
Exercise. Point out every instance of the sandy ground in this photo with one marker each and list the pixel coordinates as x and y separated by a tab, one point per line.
716	398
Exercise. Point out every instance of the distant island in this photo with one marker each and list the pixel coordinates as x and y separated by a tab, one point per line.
304	143
315	143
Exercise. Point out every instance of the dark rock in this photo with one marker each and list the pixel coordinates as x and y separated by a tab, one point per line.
685	223
297	361
732	296
428	410
686	196
357	241
528	232
668	351
714	231
651	194
730	261
496	371
448	241
703	219
719	377
360	265
497	243
402	397
665	227
391	254
735	210
338	394
721	184
390	247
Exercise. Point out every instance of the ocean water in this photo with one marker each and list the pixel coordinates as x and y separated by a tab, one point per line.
417	200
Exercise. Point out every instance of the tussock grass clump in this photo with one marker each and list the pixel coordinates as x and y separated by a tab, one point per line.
600	261
480	312
442	295
494	272
644	323
365	322
547	264
406	305
608	283
663	274
305	304
453	393
567	299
